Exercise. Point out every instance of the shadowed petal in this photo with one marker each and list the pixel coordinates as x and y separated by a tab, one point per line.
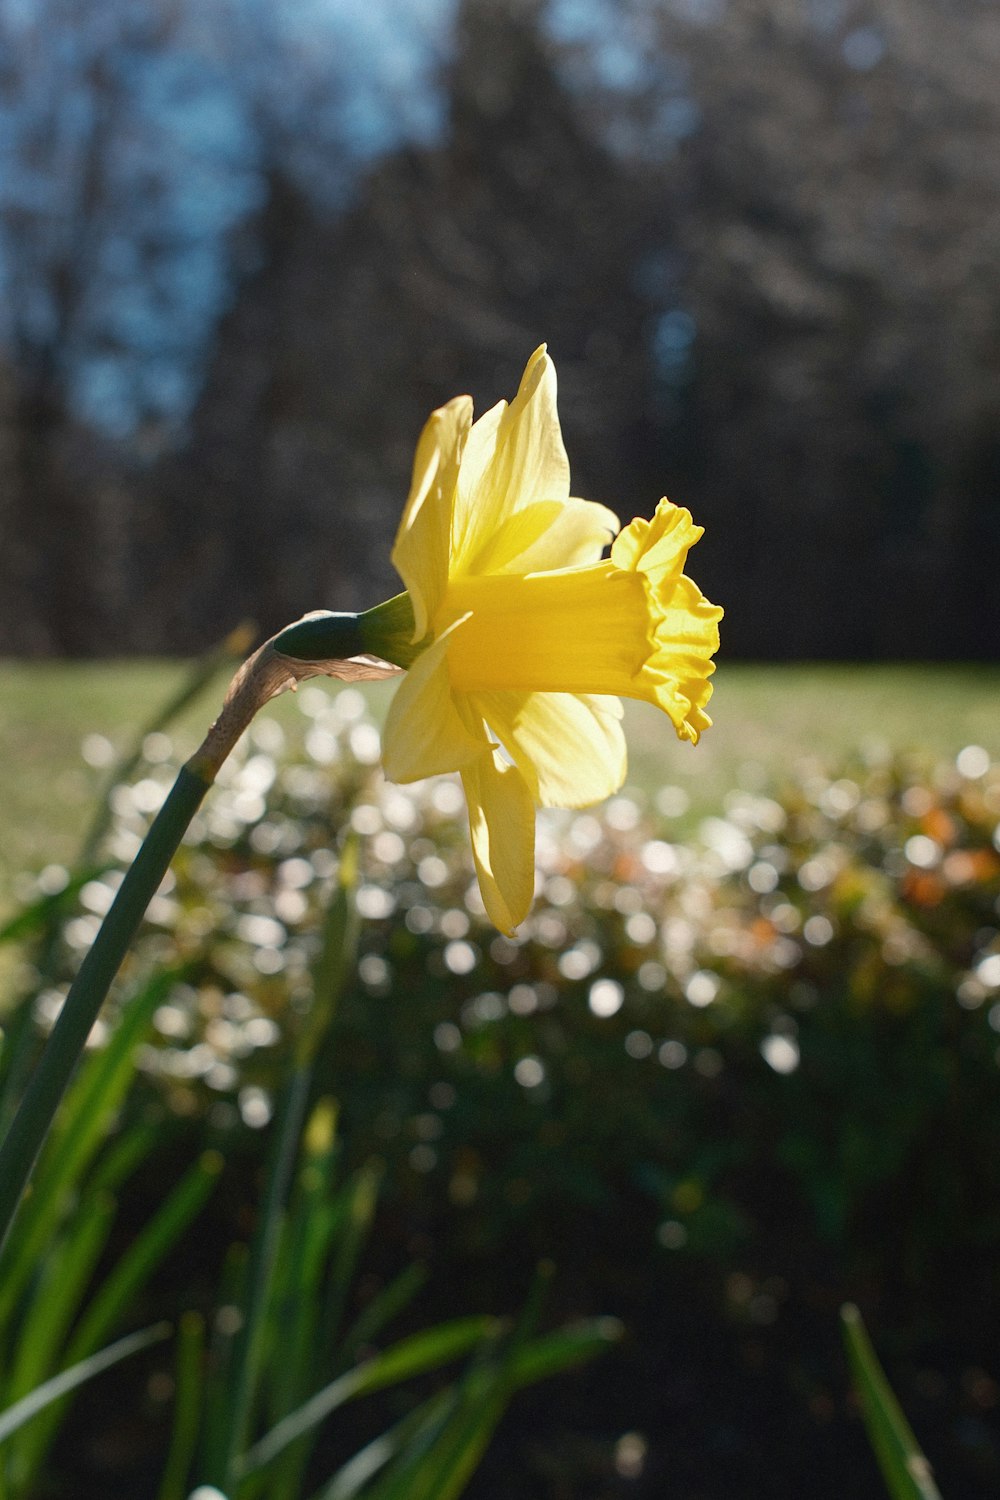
569	747
424	733
502	824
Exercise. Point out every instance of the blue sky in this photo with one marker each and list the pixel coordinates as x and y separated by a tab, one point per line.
188	124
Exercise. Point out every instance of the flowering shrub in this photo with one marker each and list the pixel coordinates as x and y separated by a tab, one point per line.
803	988
759	1050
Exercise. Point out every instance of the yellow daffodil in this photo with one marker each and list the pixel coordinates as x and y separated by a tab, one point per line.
524	635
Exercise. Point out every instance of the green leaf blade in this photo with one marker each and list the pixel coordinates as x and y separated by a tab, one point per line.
906	1472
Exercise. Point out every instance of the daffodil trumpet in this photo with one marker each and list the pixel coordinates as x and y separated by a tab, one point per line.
518	634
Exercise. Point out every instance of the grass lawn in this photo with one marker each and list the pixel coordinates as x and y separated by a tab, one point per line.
766	718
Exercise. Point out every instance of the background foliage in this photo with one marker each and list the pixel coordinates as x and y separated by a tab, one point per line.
732	1073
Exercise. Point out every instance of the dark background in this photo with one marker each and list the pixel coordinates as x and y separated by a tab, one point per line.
246	248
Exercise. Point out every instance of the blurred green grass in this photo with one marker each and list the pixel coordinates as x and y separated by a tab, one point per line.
766	718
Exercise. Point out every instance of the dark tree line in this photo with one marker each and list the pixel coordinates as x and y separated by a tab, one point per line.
763	254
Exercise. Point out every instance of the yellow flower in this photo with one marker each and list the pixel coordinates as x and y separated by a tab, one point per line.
524	634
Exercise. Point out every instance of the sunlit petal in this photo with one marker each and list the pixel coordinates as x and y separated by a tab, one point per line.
420	553
502	825
424	733
657	547
577	630
680	663
549	534
570	748
515	458
477	458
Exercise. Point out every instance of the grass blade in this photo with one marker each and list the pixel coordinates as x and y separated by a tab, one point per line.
187	1406
439	1463
382	1309
62	1277
337	956
84	1120
906	1472
41	915
65	1274
293	1354
249	1353
145	1254
68	1380
483	1396
411	1356
361	1198
564	1350
416	1429
124	1156
306	1359
249	1348
446	1471
222	1335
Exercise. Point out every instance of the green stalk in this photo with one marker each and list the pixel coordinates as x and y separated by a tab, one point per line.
187	1406
262	677
20	1030
86	996
228	653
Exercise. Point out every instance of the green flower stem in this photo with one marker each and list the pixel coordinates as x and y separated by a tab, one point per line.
262	677
20	1033
86	995
228	653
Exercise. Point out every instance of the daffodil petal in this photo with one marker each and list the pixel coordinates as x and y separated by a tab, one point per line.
569	747
477	457
549	534
502	825
424	733
514	458
420	553
677	671
535	633
658	547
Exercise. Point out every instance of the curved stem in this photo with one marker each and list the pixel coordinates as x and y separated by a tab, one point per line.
87	993
20	1034
268	672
